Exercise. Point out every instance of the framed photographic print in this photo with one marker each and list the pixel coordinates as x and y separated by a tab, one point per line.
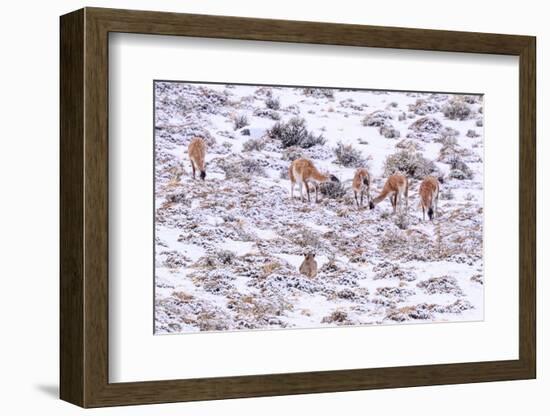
255	207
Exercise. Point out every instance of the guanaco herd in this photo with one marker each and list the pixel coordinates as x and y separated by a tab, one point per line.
304	173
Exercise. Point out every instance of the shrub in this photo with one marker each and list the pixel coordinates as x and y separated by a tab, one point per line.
311	140
273	103
390	270
240	121
471	99
276	131
409	145
459	169
423	107
346	294
377	119
457	109
336	316
295	133
393	240
347	156
294	109
225	256
427	124
318	92
252	166
439	285
449	148
472	133
406	313
446	135
334	190
242	168
292	153
412	164
477	278
177	198
446	195
202	98
245	132
253	144
264	91
219	258
457	174
395	293
268	113
389	132
459	306
479	122
401	220
307	238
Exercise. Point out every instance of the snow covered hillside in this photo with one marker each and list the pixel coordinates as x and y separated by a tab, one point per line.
228	249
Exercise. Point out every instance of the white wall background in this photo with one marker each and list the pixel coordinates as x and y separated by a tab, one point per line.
29	206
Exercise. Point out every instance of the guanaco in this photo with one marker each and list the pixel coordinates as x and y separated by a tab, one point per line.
429	196
304	172
361	185
397	188
197	155
309	265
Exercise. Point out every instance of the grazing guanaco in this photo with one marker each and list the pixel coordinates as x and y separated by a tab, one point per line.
397	188
309	265
197	155
304	172
429	197
361	185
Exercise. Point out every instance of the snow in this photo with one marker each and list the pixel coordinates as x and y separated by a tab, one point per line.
228	249
240	248
266	234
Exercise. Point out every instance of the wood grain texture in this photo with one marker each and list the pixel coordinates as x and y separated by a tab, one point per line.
528	207
84	205
162	23
71	185
96	208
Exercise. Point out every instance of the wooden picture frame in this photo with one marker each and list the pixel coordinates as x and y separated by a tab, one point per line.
84	207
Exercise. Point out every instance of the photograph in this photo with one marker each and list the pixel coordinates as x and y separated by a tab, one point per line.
295	207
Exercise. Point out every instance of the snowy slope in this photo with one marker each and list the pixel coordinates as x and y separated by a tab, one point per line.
228	248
